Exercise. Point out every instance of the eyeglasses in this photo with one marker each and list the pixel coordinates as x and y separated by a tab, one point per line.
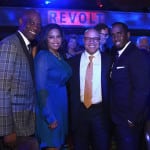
95	39
104	35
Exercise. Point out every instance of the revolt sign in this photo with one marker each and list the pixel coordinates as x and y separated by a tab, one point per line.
75	18
79	18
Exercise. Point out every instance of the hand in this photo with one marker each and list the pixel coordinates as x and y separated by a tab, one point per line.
53	125
130	123
10	140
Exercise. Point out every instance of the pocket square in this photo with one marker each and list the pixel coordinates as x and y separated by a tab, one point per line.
120	67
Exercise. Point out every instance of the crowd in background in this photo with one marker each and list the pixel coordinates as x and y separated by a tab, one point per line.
56	93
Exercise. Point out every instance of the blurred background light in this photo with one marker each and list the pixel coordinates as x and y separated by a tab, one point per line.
111	5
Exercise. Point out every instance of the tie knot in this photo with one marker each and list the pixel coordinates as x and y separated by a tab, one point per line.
91	58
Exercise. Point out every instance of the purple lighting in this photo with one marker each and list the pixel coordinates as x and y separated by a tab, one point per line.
47	2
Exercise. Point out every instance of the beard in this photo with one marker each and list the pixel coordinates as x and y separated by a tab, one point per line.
118	48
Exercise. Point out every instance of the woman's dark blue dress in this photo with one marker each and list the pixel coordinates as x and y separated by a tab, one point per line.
51	75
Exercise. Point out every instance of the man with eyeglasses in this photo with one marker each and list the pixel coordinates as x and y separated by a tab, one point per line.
90	123
104	35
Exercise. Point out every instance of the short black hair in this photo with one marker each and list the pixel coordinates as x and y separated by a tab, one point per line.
101	26
124	26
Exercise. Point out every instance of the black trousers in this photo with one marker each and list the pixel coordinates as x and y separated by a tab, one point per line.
93	129
128	138
147	134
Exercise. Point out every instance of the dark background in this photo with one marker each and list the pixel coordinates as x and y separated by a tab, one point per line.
117	5
108	5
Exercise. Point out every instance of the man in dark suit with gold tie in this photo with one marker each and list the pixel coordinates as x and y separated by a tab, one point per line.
89	96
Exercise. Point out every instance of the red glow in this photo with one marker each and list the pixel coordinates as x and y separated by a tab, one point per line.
100	5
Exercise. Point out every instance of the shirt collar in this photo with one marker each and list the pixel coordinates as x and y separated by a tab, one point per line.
121	51
95	54
27	42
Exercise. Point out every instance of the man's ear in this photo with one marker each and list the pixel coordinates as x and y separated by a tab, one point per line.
20	21
128	34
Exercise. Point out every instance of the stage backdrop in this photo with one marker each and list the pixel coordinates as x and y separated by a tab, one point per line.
78	18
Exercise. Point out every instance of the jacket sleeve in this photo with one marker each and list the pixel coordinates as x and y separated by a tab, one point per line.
140	79
7	62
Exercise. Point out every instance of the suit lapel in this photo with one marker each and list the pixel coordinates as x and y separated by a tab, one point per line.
104	70
23	44
29	57
102	67
78	69
126	52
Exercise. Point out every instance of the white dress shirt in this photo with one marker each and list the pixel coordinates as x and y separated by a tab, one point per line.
96	81
27	42
121	51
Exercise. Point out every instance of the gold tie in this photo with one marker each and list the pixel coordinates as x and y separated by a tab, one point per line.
88	84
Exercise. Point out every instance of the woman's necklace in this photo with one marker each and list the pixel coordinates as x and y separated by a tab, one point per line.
56	54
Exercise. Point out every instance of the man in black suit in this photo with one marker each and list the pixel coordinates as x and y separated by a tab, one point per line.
90	125
130	84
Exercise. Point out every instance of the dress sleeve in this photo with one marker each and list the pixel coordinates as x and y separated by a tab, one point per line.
41	70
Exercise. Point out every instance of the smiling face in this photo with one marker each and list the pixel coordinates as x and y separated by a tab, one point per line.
30	24
72	44
91	41
143	43
54	40
119	36
104	34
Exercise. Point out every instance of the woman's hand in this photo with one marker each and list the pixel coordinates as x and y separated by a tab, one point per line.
53	125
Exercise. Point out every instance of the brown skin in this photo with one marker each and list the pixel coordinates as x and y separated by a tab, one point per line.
91	41
54	40
29	25
119	36
53	125
10	140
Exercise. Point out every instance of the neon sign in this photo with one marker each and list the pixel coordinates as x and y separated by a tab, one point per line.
80	18
75	18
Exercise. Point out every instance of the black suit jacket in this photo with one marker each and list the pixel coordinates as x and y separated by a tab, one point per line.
74	87
130	82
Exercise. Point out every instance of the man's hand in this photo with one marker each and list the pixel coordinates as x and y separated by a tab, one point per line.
10	140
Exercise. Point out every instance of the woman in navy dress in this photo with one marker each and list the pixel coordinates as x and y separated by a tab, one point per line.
51	75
